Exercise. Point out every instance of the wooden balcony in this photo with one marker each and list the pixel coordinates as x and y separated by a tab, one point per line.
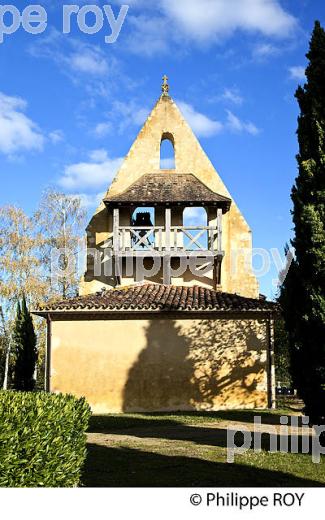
169	242
176	241
168	195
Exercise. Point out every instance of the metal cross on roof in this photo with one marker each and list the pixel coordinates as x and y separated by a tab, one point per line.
165	86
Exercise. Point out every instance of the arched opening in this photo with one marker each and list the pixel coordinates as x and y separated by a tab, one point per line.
167	152
194	217
143	222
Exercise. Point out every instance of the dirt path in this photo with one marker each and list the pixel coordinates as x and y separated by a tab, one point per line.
208	433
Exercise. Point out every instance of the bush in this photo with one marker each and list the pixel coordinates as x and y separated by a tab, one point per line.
42	439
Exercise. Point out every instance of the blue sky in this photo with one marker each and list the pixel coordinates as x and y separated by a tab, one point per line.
71	105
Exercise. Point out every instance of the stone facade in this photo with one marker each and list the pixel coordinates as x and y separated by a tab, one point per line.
166	120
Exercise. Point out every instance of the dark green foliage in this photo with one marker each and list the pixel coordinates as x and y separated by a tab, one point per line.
282	353
303	292
24	349
42	439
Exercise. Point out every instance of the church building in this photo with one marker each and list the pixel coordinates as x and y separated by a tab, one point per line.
169	315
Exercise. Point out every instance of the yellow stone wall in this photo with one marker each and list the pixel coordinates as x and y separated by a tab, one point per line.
162	364
144	157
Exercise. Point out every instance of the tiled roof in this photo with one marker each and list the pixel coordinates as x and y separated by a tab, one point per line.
155	297
169	187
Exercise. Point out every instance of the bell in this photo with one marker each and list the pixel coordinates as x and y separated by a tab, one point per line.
142	219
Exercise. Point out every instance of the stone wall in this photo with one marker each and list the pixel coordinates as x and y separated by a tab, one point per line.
162	364
144	157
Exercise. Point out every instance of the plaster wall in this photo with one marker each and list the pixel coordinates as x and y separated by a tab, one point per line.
161	364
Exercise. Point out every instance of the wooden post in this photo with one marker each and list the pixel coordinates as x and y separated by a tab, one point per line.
116	224
271	366
219	226
116	244
216	272
47	382
167	228
167	259
160	235
211	239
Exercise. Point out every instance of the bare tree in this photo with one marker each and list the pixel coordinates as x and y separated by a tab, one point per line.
20	265
61	220
20	272
28	248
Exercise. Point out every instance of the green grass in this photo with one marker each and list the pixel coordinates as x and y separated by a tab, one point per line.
189	449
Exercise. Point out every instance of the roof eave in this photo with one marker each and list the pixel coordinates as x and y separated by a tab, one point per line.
153	312
224	205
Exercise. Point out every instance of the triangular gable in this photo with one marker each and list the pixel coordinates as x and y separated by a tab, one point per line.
144	156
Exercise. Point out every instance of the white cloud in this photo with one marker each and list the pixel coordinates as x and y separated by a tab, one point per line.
209	20
90	200
232	95
234	124
148	35
73	55
98	155
202	125
298	72
262	51
157	26
17	131
227	96
89	60
102	129
97	173
130	114
56	136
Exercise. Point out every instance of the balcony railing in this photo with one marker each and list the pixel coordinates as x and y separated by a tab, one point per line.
167	240
175	240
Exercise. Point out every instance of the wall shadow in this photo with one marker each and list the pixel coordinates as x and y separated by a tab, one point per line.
125	467
209	364
100	423
161	378
169	429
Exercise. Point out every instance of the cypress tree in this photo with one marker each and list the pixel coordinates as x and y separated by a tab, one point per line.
303	292
25	349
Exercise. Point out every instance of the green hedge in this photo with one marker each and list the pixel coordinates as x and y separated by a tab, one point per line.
42	439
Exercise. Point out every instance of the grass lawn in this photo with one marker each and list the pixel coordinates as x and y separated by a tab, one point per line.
190	449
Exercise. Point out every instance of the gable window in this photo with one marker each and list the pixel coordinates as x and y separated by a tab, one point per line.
167	152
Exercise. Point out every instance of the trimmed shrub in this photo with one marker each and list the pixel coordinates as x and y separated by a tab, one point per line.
42	439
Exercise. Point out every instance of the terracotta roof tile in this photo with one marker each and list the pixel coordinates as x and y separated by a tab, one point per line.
156	297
